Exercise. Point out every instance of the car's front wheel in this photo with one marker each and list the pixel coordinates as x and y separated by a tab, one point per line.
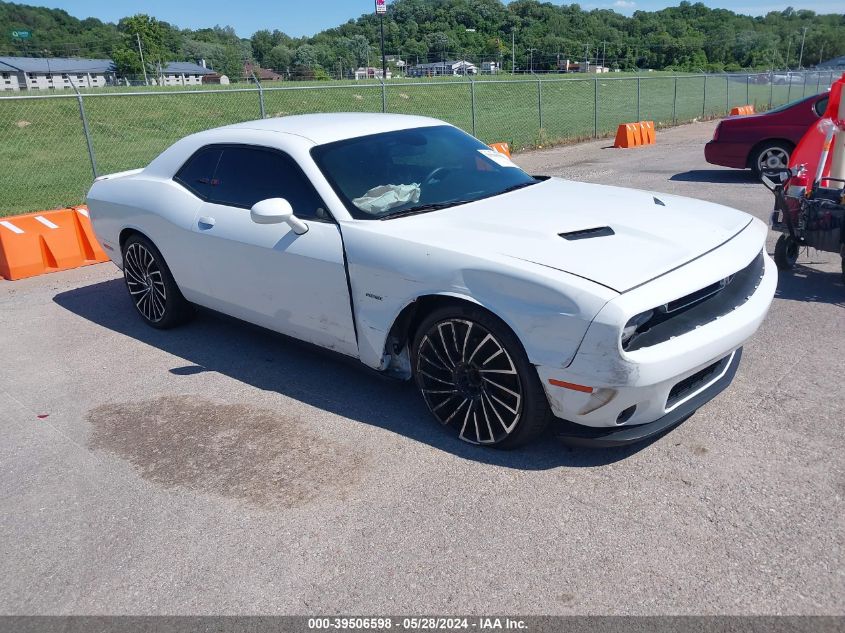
151	285
474	375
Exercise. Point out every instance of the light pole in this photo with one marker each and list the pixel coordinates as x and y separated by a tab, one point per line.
801	55
531	63
513	51
383	58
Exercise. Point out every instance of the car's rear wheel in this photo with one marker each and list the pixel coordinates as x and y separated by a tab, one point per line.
770	155
474	375
786	252
151	285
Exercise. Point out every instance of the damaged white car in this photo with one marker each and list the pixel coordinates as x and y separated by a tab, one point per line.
511	300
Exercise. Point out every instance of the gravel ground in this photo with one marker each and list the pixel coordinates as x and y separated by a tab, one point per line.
219	469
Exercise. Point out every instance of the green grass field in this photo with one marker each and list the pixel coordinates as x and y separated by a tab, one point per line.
45	161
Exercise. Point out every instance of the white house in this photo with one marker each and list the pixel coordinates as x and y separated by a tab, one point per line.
371	73
434	69
183	74
489	68
54	73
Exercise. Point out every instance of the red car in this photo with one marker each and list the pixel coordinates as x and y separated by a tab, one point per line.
764	141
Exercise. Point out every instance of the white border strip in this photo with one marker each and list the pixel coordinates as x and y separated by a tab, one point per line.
46	222
11	227
84	212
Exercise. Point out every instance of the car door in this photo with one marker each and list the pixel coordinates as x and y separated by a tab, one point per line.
266	273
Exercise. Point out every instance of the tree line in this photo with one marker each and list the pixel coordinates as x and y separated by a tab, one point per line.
524	35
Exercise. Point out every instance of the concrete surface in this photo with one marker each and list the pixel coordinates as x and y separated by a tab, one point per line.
219	469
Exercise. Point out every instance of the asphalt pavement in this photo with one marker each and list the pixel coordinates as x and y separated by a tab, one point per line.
221	469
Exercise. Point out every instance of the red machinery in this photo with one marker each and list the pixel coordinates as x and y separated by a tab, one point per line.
810	193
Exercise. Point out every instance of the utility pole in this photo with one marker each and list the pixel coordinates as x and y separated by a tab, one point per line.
801	54
383	58
788	47
603	51
531	52
141	52
513	52
586	58
821	50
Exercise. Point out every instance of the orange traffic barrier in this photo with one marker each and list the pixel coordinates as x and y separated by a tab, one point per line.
502	148
742	110
647	132
627	135
634	134
46	242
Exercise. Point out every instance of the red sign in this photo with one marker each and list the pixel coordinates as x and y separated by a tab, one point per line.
381	6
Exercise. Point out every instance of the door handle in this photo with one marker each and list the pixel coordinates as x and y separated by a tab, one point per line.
206	221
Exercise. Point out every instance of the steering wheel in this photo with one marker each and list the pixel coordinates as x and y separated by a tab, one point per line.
435	172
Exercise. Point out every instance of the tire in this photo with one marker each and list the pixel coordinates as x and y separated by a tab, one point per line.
452	350
786	252
151	286
770	155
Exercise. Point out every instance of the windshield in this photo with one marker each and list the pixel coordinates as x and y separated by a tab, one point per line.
414	171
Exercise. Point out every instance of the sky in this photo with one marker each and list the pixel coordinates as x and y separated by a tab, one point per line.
298	18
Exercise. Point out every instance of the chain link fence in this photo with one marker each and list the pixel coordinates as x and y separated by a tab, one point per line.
51	146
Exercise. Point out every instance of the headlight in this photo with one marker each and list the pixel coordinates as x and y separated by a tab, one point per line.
633	324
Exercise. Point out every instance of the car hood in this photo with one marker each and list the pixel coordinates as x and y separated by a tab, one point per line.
550	224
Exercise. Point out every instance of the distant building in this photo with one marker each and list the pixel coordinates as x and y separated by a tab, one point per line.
597	68
836	63
489	68
263	74
566	66
371	73
447	68
183	74
54	73
215	78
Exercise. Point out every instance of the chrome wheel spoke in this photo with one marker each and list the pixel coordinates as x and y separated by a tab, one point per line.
145	282
468	379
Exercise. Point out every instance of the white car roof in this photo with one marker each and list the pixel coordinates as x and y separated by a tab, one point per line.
337	126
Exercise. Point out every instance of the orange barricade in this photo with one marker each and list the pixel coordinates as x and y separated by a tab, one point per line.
626	135
46	242
502	148
742	110
634	134
648	132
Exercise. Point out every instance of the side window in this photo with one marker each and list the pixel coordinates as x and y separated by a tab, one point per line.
821	106
248	175
197	175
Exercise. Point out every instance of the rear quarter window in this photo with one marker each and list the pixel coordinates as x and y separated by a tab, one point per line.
197	174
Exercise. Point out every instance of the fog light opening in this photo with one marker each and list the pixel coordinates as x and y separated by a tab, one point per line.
626	414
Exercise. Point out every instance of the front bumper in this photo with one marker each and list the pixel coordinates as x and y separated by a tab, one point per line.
603	437
607	389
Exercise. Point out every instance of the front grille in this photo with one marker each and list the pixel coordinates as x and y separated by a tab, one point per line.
693	383
699	308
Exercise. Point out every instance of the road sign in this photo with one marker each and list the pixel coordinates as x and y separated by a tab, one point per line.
21	35
381	6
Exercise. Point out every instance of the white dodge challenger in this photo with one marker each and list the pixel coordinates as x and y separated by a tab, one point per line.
510	299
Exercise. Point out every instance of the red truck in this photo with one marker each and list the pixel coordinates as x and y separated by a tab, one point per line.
766	140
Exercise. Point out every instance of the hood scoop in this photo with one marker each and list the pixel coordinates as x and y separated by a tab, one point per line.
585	234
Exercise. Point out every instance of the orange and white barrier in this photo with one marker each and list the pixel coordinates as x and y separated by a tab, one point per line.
635	134
742	110
502	148
46	242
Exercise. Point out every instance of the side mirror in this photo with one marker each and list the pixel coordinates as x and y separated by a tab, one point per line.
276	211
